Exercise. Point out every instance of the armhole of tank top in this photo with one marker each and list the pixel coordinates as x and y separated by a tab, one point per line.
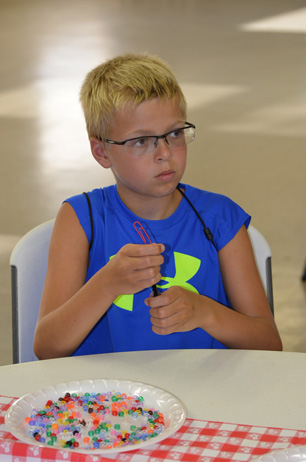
91	220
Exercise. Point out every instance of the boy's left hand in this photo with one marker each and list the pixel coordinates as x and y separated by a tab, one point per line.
175	310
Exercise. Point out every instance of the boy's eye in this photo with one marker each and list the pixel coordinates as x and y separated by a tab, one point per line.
176	133
138	142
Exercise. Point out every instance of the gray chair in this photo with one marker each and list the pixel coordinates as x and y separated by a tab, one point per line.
29	261
263	257
304	274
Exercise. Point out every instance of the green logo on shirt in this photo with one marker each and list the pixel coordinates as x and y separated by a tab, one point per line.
186	267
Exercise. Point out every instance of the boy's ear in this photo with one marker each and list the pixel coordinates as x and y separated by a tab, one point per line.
99	152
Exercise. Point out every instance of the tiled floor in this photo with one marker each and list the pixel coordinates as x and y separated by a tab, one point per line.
243	68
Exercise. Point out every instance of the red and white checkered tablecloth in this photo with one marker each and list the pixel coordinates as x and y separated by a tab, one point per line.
196	441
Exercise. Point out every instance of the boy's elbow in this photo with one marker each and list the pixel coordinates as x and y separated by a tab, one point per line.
42	353
44	349
279	345
39	349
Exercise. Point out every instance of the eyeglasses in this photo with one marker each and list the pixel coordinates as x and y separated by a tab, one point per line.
145	144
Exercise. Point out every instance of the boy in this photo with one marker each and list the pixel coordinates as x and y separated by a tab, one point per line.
110	248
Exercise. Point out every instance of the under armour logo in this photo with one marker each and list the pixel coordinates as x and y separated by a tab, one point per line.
186	267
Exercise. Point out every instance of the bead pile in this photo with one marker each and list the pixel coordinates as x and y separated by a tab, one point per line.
94	421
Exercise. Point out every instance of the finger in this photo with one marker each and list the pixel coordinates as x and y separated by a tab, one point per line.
140	250
146	281
165	316
165	326
165	298
163	331
149	262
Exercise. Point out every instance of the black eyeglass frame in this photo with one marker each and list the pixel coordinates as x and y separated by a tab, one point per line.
157	137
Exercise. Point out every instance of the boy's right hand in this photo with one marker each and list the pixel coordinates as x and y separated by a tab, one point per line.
134	268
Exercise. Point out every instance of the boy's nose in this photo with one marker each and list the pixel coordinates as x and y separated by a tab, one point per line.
162	149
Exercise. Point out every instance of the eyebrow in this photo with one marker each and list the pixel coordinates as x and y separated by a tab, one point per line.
140	133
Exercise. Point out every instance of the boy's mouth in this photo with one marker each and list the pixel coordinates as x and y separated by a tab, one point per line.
166	175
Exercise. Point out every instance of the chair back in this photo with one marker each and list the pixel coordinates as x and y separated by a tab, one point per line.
29	261
263	257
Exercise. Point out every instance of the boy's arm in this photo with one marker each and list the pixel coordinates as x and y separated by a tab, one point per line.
69	307
250	325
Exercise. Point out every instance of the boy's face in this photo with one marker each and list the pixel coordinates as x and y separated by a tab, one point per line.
155	174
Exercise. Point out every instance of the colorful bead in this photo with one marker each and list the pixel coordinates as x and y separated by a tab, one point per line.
94	425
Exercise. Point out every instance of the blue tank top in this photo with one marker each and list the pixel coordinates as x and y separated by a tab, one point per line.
190	261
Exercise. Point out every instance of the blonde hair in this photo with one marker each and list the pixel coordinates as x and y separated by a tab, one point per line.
125	79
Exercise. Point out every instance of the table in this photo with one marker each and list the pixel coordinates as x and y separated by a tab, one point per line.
250	387
256	388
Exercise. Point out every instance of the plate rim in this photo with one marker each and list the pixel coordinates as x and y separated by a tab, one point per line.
165	434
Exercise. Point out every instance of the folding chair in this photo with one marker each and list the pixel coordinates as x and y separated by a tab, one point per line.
263	257
29	261
304	274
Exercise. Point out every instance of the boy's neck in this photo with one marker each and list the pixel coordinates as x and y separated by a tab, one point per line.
152	208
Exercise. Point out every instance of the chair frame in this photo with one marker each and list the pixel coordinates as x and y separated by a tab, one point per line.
32	246
263	257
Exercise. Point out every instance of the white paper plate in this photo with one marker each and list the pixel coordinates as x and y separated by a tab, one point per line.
172	408
292	454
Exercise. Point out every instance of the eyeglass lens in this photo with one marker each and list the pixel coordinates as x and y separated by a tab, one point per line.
147	144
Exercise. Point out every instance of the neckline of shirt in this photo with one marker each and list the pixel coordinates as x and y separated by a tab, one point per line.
165	223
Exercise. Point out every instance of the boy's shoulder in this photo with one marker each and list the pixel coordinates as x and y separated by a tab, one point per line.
222	215
96	201
204	198
96	196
